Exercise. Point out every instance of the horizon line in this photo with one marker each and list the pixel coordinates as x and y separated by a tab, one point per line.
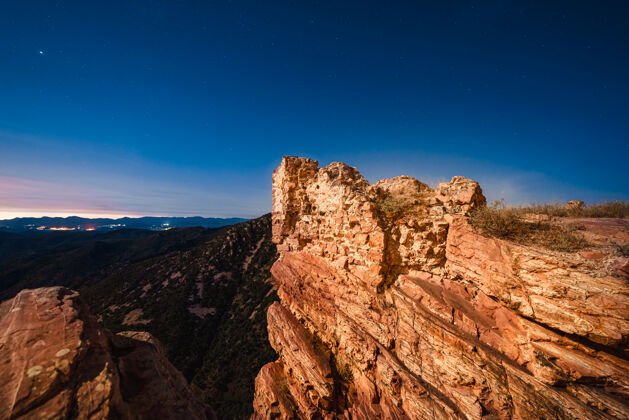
37	215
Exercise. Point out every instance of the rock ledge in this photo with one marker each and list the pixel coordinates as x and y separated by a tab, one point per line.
393	307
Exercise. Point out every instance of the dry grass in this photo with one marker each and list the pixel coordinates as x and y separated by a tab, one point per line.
623	250
391	205
617	209
508	223
345	371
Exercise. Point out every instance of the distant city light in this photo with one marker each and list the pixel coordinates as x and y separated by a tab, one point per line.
94	227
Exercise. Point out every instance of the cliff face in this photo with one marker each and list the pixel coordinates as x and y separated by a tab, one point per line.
393	307
56	362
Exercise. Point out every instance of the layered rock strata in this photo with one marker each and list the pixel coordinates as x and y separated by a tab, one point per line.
393	307
56	362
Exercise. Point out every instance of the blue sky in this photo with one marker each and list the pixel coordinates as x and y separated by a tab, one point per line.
185	108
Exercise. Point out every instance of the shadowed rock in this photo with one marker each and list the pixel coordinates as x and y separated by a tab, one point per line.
57	362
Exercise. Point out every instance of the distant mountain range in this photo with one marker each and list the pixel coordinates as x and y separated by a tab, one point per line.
21	224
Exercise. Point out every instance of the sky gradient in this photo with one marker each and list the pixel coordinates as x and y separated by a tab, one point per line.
185	108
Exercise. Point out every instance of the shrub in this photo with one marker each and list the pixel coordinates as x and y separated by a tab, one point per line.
507	223
391	205
556	238
498	221
345	371
623	250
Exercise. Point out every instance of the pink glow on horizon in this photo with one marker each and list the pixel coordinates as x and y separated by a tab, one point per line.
87	213
22	197
94	198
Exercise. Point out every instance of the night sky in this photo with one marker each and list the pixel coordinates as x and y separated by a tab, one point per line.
185	108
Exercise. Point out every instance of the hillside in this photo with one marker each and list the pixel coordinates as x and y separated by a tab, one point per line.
206	304
76	259
202	292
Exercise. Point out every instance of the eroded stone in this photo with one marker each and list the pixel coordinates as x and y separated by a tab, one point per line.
418	316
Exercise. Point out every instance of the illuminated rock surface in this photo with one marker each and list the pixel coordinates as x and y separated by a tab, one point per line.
393	307
56	362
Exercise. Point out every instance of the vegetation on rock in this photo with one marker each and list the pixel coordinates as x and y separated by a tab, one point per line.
391	205
507	223
622	250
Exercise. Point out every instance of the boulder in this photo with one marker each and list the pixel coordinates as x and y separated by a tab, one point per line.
57	362
574	204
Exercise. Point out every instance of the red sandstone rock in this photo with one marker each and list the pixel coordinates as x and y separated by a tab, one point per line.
272	398
599	231
574	204
412	314
56	362
558	292
593	255
622	266
532	217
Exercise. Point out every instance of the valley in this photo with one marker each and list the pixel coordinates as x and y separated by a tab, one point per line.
202	292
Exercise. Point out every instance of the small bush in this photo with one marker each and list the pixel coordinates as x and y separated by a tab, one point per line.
507	223
556	238
623	250
345	371
391	205
498	222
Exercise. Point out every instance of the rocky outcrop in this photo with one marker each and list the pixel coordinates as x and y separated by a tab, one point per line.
393	307
56	362
574	204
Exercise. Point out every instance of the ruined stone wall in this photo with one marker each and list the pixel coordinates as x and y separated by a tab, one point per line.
393	307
